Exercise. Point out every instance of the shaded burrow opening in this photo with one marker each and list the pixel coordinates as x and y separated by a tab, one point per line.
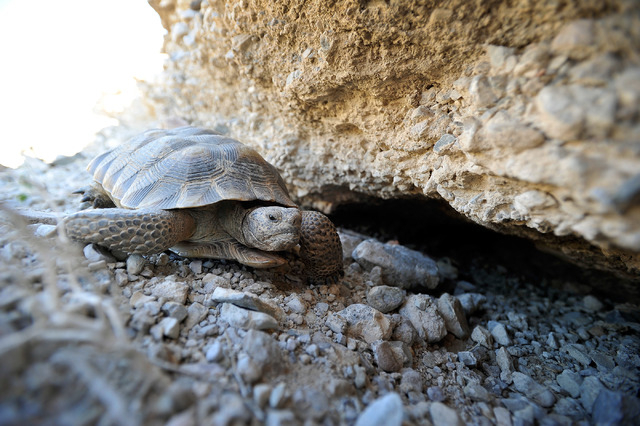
435	229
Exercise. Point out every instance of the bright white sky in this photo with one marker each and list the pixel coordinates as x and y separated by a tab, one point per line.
58	58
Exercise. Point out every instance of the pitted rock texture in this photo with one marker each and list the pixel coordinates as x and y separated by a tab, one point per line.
523	117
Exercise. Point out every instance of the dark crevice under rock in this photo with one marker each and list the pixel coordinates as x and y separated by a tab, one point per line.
435	229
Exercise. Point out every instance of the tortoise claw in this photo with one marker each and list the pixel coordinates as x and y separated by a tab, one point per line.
325	280
95	195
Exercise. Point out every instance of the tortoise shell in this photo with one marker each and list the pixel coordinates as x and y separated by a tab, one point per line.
186	167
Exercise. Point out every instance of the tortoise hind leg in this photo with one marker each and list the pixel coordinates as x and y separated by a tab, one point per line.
130	231
231	250
320	248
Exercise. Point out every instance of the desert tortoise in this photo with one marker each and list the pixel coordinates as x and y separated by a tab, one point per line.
200	194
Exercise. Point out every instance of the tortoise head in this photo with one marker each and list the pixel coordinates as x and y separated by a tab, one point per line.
272	228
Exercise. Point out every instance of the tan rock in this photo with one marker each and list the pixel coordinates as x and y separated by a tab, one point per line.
400	99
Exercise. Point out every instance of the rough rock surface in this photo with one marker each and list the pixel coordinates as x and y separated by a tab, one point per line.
523	117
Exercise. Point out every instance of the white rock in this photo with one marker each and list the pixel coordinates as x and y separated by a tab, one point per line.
450	309
570	382
401	267
482	336
171	290
278	396
46	231
95	253
384	411
245	300
390	356
261	393
135	264
504	361
247	369
481	93
565	112
560	116
138	299
503	131
196	312
471	302
196	266
499	333
246	319
175	310
498	55
366	323
421	311
214	352
297	305
178	30
533	390
385	298
533	200
574	38
280	418
170	327
441	415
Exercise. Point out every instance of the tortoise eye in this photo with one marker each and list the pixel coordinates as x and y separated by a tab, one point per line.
272	218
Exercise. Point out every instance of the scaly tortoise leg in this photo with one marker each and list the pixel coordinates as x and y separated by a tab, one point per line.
320	248
130	231
231	250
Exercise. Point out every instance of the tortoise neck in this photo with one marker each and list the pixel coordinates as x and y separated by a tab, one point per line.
231	216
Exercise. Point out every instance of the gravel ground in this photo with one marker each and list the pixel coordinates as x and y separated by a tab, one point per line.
86	338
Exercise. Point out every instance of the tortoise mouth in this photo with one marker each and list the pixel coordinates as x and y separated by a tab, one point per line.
281	242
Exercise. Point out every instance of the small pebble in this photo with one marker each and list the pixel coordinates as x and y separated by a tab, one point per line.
389	357
135	264
196	266
246	319
171	290
366	323
385	298
384	411
499	333
196	312
482	336
95	253
421	311
261	394
533	390
278	396
441	415
451	311
477	392
175	310
248	369
592	304
570	382
467	358
435	394
215	352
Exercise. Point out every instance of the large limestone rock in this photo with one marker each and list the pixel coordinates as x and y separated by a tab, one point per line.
523	116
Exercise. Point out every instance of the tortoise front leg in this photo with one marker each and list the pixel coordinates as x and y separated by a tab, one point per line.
231	250
320	248
130	231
